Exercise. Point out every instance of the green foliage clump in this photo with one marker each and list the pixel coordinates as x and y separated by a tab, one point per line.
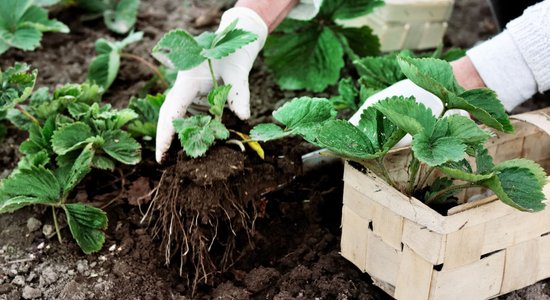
22	24
438	142
70	133
179	50
309	55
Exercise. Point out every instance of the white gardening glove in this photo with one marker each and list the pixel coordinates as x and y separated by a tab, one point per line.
193	84
407	88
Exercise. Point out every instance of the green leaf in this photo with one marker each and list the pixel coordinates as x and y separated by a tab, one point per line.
39	138
344	139
37	18
104	68
22	24
12	10
198	133
122	147
81	167
217	99
178	50
431	74
348	9
121	117
408	115
71	137
206	39
347	95
231	42
484	161
467	130
362	41
380	131
36	182
267	132
379	72
103	163
86	224
304	115
78	110
309	60
517	187
16	85
38	159
488	109
11	204
435	152
148	109
123	17
532	166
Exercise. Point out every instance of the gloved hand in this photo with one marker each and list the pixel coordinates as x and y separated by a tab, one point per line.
407	88
193	84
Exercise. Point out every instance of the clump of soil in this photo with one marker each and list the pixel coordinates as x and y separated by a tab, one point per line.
203	206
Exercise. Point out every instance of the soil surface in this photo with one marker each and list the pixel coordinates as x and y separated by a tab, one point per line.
280	242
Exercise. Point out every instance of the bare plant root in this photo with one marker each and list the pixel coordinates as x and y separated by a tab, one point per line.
203	207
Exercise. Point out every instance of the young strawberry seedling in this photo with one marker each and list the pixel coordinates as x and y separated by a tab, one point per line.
438	142
179	50
118	15
22	24
69	134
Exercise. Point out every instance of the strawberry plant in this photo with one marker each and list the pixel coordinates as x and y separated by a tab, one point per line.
379	72
179	50
309	55
22	24
118	15
104	68
70	133
439	142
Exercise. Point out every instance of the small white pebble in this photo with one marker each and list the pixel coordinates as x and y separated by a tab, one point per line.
112	248
40	246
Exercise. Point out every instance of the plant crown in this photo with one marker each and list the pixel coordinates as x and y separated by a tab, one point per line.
439	142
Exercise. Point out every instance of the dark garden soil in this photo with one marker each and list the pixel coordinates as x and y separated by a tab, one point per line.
238	226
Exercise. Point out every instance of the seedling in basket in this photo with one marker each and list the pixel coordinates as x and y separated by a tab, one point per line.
179	50
440	143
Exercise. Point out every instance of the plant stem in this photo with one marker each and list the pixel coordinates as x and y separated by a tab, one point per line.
27	114
423	180
443	192
149	65
414	167
56	224
214	81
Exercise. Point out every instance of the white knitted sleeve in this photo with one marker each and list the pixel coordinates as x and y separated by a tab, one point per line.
306	10
516	63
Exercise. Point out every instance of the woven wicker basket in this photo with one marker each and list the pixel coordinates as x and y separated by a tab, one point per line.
479	250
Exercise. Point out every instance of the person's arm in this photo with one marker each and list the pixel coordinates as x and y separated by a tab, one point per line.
516	63
272	12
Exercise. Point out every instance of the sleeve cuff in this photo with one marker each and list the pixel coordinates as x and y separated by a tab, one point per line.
306	10
531	32
502	67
